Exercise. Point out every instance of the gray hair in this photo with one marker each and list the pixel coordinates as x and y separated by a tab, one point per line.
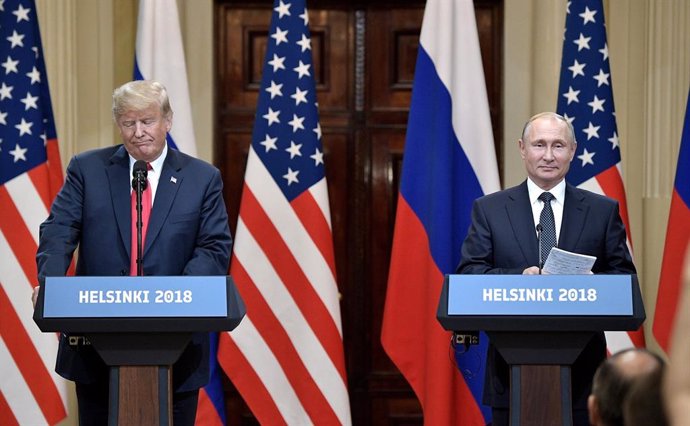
138	95
552	115
612	382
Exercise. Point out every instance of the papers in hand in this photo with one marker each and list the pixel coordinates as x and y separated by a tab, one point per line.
568	263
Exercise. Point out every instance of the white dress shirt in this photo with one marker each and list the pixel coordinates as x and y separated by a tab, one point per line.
558	192
154	174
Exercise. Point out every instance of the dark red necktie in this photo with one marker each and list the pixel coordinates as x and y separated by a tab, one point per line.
145	213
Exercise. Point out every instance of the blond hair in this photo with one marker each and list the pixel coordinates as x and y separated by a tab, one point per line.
138	95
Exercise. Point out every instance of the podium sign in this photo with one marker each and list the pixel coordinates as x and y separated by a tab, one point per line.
85	297
617	306
138	304
539	295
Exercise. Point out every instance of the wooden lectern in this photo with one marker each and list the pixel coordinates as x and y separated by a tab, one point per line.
539	343
139	337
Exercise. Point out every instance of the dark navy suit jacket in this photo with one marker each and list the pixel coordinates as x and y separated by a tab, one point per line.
187	234
502	240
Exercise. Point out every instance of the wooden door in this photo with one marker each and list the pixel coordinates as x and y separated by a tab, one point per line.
364	57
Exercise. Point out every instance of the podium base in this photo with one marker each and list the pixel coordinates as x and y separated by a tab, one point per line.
140	375
540	395
133	392
540	374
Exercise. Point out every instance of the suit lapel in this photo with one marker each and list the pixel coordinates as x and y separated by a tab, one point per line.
118	175
168	185
519	213
574	215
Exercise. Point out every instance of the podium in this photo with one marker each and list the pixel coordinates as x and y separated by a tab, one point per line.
140	327
540	324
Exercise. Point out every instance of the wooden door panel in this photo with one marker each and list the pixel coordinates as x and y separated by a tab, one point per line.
489	16
387	152
235	151
242	37
392	42
240	48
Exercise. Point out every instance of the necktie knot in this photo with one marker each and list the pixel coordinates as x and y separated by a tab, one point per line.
546	197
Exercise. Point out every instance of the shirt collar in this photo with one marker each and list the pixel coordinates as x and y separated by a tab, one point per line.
535	191
156	165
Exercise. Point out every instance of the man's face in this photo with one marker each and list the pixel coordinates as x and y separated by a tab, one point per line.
143	132
547	151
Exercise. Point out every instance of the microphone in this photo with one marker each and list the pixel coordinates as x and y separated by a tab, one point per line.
139	174
139	183
541	261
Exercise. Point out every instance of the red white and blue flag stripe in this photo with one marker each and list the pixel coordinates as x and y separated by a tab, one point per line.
31	393
677	238
585	98
286	356
211	408
449	161
159	55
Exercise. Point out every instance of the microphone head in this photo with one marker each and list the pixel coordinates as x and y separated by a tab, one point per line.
539	227
139	173
139	167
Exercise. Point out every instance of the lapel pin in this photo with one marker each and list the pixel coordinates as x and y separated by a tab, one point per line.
173	179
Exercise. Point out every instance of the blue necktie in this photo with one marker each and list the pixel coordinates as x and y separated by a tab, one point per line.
548	224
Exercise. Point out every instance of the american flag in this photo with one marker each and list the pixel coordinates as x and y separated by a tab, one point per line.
31	393
585	98
286	357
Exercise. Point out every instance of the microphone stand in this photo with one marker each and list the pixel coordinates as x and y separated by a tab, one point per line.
140	186
541	261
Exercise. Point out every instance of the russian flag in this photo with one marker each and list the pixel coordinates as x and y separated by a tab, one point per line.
449	161
159	55
210	410
677	238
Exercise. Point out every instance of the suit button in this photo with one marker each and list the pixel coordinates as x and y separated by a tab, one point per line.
124	272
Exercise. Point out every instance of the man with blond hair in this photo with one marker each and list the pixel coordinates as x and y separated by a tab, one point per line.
186	234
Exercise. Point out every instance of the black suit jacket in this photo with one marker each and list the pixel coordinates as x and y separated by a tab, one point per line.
188	234
502	240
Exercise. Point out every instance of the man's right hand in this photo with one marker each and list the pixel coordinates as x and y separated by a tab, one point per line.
532	270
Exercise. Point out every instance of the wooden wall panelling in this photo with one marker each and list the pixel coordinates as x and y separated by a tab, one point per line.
489	17
392	44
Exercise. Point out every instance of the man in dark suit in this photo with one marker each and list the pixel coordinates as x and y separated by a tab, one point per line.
502	239
187	234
